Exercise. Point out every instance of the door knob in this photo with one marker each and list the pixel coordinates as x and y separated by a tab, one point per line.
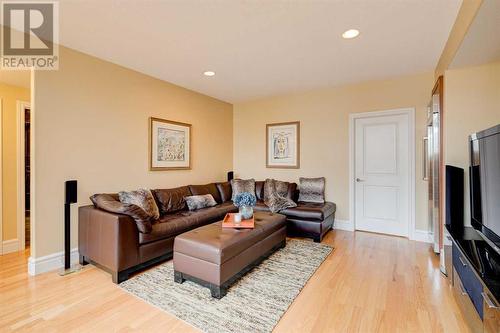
359	180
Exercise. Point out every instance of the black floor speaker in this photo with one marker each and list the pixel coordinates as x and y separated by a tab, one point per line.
70	197
454	197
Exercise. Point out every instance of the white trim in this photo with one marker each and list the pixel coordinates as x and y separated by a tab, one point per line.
21	216
411	160
343	225
50	262
423	236
9	246
32	164
1	172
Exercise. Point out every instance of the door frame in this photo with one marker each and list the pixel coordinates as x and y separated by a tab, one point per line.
411	162
1	173
20	157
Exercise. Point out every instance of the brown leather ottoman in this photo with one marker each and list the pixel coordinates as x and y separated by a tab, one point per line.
215	257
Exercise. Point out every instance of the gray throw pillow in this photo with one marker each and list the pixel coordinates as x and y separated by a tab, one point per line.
312	189
195	202
240	186
277	203
142	198
273	186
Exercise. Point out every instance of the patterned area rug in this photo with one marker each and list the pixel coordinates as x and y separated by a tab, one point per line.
255	303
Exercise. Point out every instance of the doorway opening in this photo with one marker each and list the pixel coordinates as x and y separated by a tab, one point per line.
27	180
24	224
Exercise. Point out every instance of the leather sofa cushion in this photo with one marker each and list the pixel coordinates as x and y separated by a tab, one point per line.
260	206
206	189
109	203
225	191
292	192
171	200
212	245
310	211
172	225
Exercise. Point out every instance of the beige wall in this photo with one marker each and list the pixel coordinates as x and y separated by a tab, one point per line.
471	104
91	124
9	96
324	117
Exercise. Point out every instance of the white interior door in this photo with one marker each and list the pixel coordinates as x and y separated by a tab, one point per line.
382	158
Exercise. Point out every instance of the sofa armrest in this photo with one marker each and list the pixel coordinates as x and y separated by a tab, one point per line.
108	239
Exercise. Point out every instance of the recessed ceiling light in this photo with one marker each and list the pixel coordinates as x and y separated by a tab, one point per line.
351	33
209	73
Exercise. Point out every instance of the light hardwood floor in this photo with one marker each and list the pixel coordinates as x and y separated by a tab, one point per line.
370	283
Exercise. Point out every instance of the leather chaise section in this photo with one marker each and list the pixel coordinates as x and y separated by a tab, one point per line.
310	211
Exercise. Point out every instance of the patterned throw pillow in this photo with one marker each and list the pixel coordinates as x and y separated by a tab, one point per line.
142	198
312	190
277	203
275	195
195	202
273	186
240	186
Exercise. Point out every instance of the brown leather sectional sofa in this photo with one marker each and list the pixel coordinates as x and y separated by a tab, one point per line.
113	241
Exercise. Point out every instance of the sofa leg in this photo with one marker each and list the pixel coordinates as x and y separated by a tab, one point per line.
178	277
318	239
119	277
217	291
82	260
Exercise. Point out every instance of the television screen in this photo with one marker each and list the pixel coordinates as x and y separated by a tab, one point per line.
485	181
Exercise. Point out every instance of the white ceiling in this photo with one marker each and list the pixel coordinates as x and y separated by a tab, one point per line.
482	42
262	47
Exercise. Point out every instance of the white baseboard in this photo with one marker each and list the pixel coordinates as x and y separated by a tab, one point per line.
422	236
343	225
9	246
418	235
50	262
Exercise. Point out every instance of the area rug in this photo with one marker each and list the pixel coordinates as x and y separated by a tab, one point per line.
255	303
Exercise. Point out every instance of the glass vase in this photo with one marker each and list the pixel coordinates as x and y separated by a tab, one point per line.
246	212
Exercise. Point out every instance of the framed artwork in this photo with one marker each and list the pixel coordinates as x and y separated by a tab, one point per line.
169	145
283	145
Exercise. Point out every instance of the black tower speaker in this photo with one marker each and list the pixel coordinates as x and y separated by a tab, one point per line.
454	197
230	176
71	189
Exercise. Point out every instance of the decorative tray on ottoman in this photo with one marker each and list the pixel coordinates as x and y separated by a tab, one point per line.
228	222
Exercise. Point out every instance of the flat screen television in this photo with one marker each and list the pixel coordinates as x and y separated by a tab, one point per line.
485	183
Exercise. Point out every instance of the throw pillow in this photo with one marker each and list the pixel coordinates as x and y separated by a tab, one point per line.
195	202
240	186
312	190
277	203
110	203
142	198
275	186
